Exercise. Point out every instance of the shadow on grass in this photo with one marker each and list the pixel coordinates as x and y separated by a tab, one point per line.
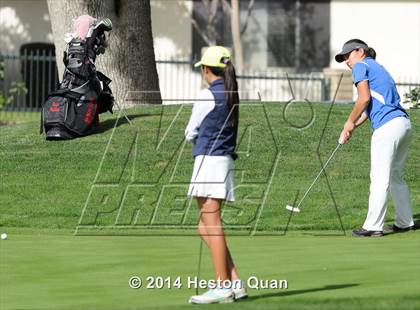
416	218
298	292
113	122
109	124
325	235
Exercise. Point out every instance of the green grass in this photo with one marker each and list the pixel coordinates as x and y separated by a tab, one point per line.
17	117
48	184
132	180
55	270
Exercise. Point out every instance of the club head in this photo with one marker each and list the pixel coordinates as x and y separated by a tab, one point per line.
293	209
105	24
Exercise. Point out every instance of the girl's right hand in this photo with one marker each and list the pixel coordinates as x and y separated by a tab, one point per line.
346	132
344	137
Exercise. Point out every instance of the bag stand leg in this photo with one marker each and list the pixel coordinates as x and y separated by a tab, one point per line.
122	111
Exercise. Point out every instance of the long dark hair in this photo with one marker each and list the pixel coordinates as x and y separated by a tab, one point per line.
369	52
231	88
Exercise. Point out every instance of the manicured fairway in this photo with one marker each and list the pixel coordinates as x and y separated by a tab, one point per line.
42	269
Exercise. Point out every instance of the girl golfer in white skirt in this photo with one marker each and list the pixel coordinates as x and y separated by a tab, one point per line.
212	129
379	101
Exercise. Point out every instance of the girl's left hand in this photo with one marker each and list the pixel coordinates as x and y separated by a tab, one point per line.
344	137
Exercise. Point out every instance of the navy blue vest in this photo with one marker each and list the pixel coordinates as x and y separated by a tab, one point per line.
215	136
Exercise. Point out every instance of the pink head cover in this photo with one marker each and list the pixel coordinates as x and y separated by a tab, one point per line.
82	24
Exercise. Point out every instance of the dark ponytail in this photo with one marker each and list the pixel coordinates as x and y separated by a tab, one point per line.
369	52
372	53
231	88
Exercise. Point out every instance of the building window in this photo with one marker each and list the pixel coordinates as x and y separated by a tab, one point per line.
281	33
275	34
212	26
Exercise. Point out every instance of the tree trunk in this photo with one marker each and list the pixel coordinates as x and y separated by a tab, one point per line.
236	36
130	58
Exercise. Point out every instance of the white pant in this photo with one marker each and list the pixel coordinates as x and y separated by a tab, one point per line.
389	150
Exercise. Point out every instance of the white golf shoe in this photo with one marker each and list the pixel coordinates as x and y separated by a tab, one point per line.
238	289
217	295
240	293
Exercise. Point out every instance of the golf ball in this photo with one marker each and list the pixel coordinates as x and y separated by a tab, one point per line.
3	236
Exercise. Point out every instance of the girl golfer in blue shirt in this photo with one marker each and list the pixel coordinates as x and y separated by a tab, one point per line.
378	101
213	129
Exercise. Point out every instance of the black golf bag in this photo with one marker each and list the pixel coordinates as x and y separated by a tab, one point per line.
73	110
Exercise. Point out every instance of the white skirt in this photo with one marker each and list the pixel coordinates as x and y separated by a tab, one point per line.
213	177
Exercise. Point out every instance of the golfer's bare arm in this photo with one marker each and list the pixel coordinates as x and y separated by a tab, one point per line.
363	98
361	119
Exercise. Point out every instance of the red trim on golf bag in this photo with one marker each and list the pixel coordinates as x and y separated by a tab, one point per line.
71	114
91	111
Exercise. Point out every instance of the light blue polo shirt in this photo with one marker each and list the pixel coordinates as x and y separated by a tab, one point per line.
385	101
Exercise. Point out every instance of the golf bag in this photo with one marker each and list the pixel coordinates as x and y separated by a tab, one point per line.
84	93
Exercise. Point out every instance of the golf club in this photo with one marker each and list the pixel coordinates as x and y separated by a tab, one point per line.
296	209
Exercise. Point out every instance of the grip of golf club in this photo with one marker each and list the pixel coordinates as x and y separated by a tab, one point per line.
341	140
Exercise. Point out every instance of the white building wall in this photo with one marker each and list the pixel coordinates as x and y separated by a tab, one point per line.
23	21
172	39
172	30
392	28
